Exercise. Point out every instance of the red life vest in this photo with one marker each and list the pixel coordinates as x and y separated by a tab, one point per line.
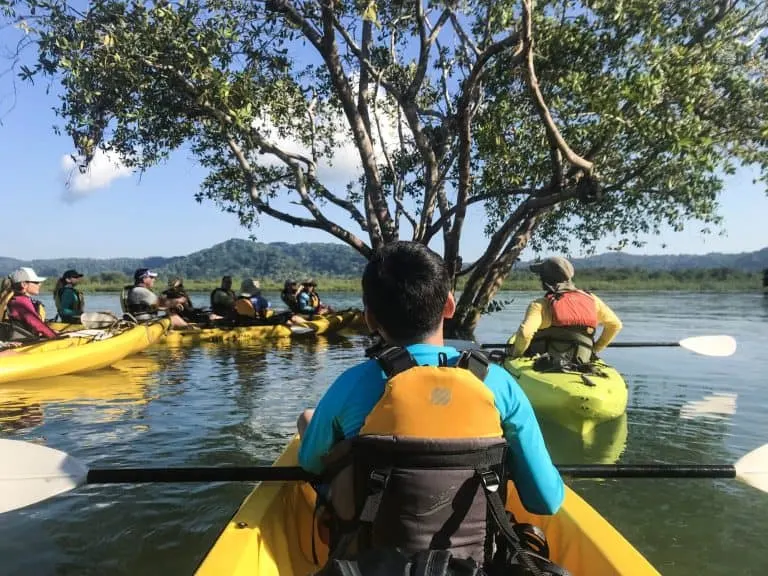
573	308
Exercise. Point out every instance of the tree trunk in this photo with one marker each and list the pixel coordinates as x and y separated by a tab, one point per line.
472	304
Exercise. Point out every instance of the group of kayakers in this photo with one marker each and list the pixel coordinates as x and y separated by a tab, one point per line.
439	430
23	316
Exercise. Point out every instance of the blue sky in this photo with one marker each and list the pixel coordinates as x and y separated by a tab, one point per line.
119	214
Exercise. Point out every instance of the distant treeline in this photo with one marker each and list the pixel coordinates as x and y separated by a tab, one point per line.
599	279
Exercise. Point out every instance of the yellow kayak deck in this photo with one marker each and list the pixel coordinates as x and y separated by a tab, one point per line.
325	324
273	534
70	354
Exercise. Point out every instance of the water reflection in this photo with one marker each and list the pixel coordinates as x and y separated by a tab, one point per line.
604	445
108	393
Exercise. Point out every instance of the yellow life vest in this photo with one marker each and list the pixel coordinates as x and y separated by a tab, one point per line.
419	455
6	293
244	307
438	402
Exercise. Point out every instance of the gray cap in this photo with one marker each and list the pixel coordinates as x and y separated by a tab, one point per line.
25	275
556	268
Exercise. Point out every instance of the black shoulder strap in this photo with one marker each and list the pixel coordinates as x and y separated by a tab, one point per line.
528	559
474	361
394	360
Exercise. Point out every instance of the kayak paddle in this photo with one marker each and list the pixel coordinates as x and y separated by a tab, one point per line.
704	345
32	473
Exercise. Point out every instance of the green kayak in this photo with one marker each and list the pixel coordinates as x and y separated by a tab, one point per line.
576	401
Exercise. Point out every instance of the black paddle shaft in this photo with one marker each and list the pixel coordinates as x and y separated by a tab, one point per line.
613	345
295	473
648	471
211	474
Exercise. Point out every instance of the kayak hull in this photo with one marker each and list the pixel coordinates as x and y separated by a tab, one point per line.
274	533
572	400
69	355
258	333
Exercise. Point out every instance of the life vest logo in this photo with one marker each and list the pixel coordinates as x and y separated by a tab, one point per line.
440	396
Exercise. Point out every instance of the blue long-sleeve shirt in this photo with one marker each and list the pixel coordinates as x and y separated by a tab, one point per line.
342	410
305	307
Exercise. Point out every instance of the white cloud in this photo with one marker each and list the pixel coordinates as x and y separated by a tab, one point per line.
345	164
102	171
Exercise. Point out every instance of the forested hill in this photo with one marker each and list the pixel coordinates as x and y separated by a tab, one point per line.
279	260
235	257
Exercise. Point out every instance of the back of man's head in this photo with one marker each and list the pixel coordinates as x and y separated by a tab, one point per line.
405	287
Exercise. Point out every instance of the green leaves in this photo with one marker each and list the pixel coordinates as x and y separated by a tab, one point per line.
661	97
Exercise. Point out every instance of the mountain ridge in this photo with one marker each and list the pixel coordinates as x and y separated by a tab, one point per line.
239	257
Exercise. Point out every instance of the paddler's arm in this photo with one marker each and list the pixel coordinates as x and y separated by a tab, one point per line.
340	413
26	312
538	482
611	325
534	317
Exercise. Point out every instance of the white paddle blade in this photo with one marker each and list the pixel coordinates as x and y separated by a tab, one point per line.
98	319
752	468
298	330
710	345
30	473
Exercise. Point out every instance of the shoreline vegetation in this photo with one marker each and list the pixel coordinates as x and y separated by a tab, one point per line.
598	279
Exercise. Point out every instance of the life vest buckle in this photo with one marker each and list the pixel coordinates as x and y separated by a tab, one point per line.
490	480
378	480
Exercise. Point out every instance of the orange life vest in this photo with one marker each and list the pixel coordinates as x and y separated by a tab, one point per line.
573	308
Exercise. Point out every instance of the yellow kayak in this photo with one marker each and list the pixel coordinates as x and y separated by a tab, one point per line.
82	351
329	323
325	324
576	401
273	533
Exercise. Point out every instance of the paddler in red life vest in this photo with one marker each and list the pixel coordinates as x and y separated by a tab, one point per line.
563	323
422	422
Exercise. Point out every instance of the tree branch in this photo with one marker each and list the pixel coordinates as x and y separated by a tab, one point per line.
379	219
435	227
425	45
342	203
554	137
294	16
288	158
366	63
319	221
465	40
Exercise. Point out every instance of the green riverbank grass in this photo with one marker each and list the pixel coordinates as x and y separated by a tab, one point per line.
603	280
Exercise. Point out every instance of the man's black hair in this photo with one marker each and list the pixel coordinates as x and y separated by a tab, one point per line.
405	287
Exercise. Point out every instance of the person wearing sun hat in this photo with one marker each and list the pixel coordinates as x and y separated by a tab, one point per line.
309	300
250	291
563	323
144	304
70	302
22	311
290	294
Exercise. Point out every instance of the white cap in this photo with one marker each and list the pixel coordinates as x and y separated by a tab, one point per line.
25	275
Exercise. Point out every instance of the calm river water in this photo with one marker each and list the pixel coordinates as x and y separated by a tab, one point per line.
237	404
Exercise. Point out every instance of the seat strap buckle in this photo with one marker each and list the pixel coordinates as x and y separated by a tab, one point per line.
489	480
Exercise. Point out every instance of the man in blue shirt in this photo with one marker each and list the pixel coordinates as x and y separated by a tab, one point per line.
406	295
